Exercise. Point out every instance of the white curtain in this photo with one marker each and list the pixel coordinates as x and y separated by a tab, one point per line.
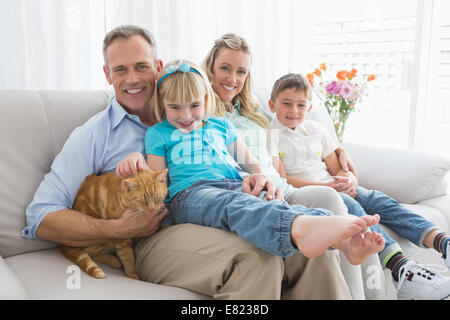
51	44
57	44
187	29
54	44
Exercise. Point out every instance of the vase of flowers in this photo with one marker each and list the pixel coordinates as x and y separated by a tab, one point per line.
339	95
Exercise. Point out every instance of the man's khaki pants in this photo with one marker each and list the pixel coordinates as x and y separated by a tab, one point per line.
219	264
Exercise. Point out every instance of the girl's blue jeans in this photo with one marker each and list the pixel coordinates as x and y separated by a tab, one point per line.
222	204
393	215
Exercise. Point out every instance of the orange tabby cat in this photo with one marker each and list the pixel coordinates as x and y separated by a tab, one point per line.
106	197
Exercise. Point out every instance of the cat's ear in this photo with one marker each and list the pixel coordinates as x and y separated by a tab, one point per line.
128	185
162	176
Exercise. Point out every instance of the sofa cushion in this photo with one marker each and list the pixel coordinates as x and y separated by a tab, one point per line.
11	288
407	176
440	203
33	130
46	274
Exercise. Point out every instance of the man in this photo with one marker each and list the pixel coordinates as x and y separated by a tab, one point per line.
213	262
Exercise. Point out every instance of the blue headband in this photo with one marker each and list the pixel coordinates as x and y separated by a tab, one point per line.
182	67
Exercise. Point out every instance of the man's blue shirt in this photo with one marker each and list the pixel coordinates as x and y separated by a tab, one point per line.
95	147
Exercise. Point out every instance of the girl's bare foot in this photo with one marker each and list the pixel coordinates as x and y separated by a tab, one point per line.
360	246
315	234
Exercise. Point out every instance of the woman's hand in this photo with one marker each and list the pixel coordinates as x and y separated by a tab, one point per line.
130	166
344	160
346	184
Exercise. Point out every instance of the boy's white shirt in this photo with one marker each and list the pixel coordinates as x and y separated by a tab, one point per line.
302	150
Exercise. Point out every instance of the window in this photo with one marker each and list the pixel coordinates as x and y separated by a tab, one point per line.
437	119
379	42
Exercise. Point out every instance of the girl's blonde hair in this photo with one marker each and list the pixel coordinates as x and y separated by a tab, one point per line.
248	104
182	86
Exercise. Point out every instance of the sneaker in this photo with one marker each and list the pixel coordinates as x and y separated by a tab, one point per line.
419	282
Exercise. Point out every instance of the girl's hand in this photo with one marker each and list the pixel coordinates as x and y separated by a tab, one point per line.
255	183
130	166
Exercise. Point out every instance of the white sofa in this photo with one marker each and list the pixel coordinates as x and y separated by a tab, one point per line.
33	128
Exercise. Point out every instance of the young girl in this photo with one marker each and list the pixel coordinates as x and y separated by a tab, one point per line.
205	184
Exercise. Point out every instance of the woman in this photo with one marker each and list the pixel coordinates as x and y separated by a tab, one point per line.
228	68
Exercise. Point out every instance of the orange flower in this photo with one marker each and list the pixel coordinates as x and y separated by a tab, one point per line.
371	77
310	78
351	74
341	75
317	72
323	66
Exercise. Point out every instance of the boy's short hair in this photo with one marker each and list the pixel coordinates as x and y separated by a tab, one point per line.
126	32
289	81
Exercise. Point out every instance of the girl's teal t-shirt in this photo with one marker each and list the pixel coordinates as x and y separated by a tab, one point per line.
198	155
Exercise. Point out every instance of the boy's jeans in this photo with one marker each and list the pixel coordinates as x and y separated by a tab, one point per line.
222	204
392	214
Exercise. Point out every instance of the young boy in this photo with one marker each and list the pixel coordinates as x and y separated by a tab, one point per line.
304	154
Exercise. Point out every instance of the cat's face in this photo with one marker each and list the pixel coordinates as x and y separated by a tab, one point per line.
145	191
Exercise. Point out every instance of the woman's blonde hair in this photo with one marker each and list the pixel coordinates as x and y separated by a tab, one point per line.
248	104
175	83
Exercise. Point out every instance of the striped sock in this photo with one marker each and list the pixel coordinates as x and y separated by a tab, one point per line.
440	243
394	264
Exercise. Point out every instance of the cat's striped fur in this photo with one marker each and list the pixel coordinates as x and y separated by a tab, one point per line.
106	197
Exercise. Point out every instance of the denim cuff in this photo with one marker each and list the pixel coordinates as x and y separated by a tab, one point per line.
388	252
424	235
287	248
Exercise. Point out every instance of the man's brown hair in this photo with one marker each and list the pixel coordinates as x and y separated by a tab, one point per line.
126	32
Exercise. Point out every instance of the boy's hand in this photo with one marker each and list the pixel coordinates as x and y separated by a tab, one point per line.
130	166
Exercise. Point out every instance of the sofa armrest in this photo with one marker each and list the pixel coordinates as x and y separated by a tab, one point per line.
407	176
11	288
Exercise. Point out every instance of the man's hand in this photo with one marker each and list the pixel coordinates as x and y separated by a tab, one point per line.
254	184
135	223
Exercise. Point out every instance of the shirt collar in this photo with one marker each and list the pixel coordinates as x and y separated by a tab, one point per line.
276	124
236	109
237	106
166	123
117	113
